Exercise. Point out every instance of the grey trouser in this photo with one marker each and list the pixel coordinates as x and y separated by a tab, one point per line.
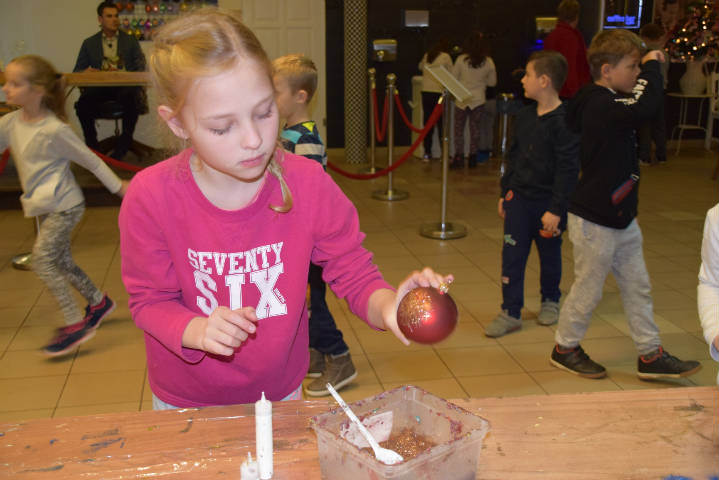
52	262
597	251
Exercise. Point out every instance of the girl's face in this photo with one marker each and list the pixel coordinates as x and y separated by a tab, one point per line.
232	121
18	91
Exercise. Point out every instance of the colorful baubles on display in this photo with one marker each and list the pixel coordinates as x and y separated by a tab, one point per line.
427	315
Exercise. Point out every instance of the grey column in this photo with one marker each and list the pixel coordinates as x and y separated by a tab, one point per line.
355	62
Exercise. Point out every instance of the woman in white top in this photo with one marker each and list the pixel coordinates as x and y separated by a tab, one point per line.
431	89
475	70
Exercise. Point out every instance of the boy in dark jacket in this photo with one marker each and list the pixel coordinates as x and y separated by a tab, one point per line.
602	224
541	173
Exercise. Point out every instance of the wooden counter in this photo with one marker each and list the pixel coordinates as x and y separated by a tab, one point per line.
102	79
638	434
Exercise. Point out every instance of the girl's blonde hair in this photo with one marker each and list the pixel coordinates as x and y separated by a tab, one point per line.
203	43
39	72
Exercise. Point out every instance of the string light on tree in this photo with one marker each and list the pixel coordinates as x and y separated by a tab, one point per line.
697	38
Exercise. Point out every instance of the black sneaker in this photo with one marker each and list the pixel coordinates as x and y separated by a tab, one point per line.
94	314
69	337
659	364
576	361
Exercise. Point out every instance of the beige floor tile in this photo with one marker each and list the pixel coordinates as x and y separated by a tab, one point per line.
673	300
13	317
466	334
610	351
33	337
32	363
30	393
533	357
409	366
707	376
23	415
508	385
564	382
102	388
97	409
107	354
531	332
6	336
600	328
619	322
372	341
445	388
489	360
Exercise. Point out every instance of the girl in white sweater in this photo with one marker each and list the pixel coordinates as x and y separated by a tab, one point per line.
43	146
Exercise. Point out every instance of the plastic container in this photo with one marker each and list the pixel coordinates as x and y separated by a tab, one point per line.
457	433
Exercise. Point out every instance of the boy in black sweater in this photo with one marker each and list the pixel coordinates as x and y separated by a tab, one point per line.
602	211
541	173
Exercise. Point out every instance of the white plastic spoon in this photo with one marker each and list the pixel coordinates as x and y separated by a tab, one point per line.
384	455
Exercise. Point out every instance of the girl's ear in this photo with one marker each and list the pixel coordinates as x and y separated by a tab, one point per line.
172	121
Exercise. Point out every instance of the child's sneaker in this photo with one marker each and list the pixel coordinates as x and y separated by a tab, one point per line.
549	313
502	325
69	337
317	364
339	372
659	364
575	361
96	313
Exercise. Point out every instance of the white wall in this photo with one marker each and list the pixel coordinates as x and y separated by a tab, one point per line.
55	30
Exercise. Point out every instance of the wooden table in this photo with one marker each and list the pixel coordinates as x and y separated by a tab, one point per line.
102	79
638	434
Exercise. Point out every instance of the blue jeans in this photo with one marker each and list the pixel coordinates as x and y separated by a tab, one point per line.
522	222
325	337
597	251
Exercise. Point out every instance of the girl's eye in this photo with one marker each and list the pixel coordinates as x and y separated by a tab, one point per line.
268	114
220	131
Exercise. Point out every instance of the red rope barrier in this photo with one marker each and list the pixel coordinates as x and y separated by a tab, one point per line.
4	159
436	113
117	163
402	113
380	131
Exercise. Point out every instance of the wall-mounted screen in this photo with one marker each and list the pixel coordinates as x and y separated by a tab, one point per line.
622	13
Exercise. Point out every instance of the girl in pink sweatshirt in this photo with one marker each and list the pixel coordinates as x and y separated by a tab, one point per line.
216	241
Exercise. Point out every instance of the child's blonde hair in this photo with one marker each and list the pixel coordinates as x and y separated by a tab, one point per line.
203	43
300	72
39	72
610	46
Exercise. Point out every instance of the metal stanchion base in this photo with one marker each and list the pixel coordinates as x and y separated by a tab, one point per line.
390	195
22	261
443	231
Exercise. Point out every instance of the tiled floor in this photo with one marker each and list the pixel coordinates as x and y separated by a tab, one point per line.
108	373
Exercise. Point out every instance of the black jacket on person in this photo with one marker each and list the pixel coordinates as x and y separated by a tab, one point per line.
128	49
607	191
543	159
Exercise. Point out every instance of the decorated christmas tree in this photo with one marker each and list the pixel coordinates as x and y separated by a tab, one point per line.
696	36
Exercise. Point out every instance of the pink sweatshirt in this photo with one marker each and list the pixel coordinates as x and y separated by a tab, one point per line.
182	257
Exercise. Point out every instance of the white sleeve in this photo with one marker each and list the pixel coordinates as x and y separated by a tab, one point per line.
708	288
492	73
5	132
71	147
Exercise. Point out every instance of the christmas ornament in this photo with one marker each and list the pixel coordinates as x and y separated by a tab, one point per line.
427	315
129	6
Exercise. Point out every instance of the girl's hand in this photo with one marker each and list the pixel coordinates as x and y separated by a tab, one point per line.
123	188
222	332
550	223
426	278
500	207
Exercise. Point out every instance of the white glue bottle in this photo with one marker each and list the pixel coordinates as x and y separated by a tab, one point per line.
263	436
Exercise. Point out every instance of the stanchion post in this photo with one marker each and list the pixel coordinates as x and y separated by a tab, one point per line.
444	230
390	194
372	133
23	261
